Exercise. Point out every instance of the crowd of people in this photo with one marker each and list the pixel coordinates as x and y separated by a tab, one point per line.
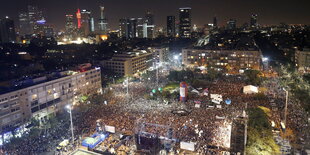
209	129
205	127
41	142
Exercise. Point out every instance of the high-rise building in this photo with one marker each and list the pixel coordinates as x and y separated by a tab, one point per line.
128	28
132	28
140	28
44	29
253	21
85	22
92	24
78	17
148	31
149	18
36	17
214	22
33	16
123	28
185	22
24	24
171	26
103	25
135	27
69	25
7	30
148	26
231	24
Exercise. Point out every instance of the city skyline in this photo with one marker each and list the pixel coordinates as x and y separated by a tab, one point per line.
202	11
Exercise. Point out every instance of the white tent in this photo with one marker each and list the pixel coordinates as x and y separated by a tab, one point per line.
249	89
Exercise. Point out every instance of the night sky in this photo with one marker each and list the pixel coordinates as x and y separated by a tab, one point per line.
269	11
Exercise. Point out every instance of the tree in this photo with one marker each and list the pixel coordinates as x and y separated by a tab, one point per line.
253	77
260	137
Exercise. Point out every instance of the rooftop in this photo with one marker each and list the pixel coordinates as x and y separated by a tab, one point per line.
28	81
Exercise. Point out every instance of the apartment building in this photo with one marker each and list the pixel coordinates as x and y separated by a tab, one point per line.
302	60
222	58
45	95
160	54
129	63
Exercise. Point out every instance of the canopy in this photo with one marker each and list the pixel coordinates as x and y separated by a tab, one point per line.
249	89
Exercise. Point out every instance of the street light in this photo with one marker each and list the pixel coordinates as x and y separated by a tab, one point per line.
285	109
69	107
176	57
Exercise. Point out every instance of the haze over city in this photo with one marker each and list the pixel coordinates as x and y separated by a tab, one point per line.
155	77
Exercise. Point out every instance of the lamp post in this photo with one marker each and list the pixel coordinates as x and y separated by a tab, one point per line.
69	107
285	109
127	85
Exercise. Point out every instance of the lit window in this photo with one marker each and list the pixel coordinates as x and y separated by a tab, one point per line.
34	96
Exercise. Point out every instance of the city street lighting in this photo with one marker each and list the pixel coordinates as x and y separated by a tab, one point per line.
176	57
69	107
285	109
127	85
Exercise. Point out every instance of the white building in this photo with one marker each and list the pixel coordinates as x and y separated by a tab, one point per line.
39	97
302	60
160	54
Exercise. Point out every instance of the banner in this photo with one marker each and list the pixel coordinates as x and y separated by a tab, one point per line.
187	146
110	129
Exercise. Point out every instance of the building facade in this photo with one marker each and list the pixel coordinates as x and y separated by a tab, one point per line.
171	26
103	24
222	59
185	22
70	26
231	24
85	22
24	26
7	31
130	63
44	96
253	21
160	54
302	60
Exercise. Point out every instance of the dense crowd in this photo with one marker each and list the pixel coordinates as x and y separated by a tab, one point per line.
208	128
46	141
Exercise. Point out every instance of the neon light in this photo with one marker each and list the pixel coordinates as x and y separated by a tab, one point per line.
78	16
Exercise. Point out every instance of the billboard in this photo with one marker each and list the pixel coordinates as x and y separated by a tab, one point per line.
110	129
190	146
216	98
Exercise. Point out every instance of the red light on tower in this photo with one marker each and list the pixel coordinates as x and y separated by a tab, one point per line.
78	16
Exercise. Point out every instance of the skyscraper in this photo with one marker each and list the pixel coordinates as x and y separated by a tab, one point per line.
69	26
253	21
85	22
24	26
148	31
132	28
231	24
92	24
7	30
102	21
78	17
171	26
123	28
214	22
149	18
33	16
140	27
148	26
185	22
